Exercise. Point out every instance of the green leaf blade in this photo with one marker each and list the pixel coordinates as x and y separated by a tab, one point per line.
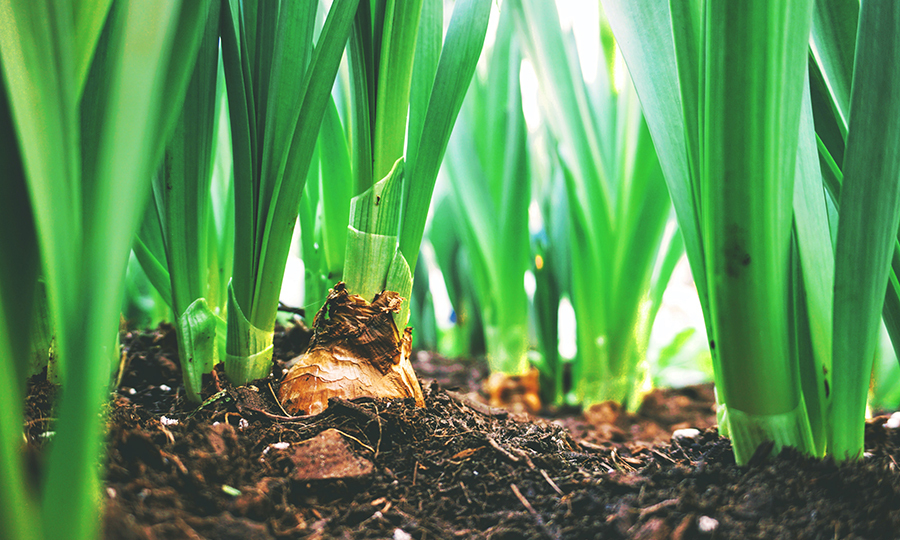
870	214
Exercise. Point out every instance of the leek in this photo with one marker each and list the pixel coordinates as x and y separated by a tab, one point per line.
490	184
792	320
407	88
180	218
278	88
94	91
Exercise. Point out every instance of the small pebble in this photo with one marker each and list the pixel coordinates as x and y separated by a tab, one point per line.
242	424
277	446
894	421
168	421
707	524
868	455
686	433
111	492
400	534
165	388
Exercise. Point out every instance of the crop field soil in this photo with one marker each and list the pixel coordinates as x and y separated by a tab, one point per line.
236	469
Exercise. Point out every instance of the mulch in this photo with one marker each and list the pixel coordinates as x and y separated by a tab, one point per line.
240	468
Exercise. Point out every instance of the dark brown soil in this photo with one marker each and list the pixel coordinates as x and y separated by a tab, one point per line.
454	469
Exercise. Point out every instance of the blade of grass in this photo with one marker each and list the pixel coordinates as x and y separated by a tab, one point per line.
88	21
834	27
182	189
618	205
812	236
491	186
76	250
643	31
397	53
122	144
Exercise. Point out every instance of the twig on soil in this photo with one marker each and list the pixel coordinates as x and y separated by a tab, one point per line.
176	460
502	450
658	506
272	391
660	454
465	492
378	444
551	482
590	446
352	407
524	455
280	418
364	445
486	410
532	511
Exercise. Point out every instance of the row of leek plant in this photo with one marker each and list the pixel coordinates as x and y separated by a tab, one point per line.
789	217
92	90
226	194
603	191
94	121
274	136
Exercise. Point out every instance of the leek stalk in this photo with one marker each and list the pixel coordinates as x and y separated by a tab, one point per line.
407	90
94	91
275	117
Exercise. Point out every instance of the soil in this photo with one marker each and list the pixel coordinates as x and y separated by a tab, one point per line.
236	468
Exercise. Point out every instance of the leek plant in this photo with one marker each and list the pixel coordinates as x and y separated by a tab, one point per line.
278	88
487	169
792	319
461	332
618	209
19	268
407	86
552	269
178	241
93	89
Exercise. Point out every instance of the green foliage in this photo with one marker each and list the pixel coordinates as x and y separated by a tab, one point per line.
94	90
177	241
618	210
792	321
275	117
487	169
407	86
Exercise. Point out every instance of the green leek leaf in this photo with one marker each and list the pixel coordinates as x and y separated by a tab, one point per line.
870	215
